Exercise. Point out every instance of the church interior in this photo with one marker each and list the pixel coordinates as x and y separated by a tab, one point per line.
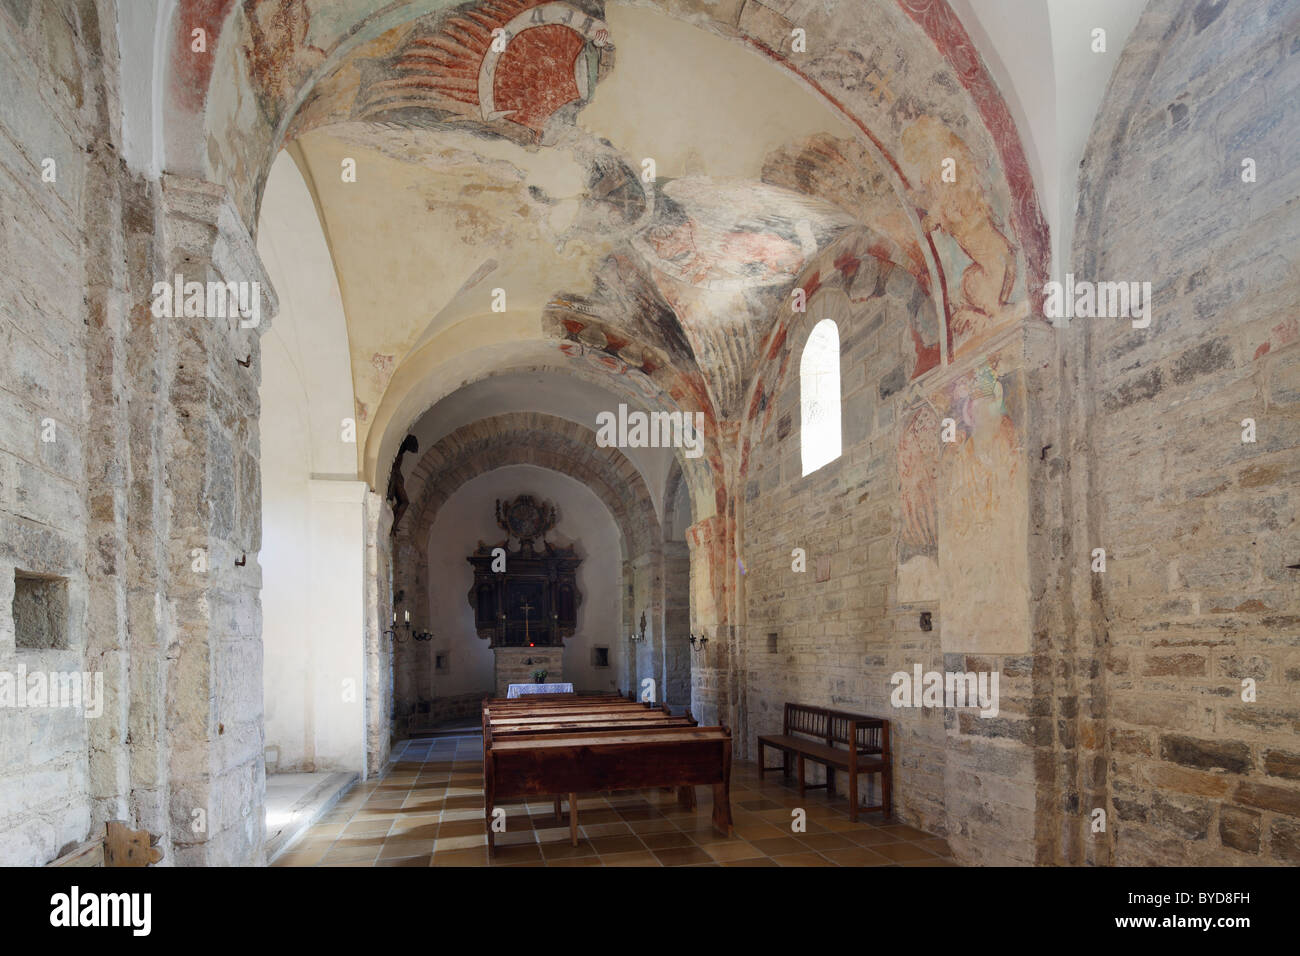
650	433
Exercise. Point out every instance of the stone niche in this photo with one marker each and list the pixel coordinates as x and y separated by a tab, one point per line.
515	665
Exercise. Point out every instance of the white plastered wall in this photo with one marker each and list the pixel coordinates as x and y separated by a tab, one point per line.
313	522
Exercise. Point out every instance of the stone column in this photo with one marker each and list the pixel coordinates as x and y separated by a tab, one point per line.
379	646
676	647
211	610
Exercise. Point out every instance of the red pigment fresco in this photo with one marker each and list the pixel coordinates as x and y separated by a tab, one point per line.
927	356
811	286
534	76
951	39
192	72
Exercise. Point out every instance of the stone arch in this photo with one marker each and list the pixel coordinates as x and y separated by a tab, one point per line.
524	438
546	441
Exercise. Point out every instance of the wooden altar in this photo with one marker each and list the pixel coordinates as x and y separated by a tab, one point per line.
525	597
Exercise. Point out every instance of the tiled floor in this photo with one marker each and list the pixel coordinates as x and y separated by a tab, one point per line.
427	810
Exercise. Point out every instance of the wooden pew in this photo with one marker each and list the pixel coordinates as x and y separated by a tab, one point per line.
625	714
622	759
866	749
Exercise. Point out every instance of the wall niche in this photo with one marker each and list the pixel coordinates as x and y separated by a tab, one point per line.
40	611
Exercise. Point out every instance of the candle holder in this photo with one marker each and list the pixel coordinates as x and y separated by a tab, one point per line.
698	643
638	637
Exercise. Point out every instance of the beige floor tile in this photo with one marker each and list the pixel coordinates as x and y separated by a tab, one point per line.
734	850
631	859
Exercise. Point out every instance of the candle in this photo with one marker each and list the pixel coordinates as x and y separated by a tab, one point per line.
408	616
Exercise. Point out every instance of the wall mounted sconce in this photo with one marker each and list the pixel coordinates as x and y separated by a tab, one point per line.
699	643
638	638
401	633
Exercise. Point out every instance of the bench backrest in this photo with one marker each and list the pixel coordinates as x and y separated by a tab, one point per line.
837	727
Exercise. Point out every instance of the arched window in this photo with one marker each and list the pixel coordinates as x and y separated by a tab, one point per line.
819	397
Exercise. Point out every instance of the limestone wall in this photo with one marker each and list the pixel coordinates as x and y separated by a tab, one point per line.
832	635
1198	525
49	116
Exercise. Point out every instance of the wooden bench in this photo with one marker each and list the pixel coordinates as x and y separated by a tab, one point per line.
865	750
587	760
119	846
612	714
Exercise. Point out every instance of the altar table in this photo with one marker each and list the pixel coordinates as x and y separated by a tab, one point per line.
518	690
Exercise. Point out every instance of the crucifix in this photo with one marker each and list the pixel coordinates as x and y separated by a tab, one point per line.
525	608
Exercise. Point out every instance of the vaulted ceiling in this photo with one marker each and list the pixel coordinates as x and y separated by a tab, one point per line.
550	196
623	192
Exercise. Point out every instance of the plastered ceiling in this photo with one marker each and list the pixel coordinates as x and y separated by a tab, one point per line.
560	210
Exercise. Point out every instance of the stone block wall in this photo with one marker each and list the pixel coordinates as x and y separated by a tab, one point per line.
511	666
833	634
49	119
1199	526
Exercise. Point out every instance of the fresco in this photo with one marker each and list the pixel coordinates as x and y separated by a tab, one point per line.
842	172
984	516
979	302
455	68
918	536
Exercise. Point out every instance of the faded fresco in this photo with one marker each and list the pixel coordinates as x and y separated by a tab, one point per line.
981	301
918	536
984	516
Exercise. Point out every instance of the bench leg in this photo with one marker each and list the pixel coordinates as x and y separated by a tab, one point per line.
557	806
830	781
573	818
785	764
886	791
799	763
722	807
853	798
761	769
686	798
491	841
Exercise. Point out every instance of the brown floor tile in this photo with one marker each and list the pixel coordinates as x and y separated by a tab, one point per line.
517	854
607	846
855	856
427	809
733	850
682	856
396	849
900	852
475	857
350	854
456	828
414	831
871	837
807	858
598	830
759	831
450	844
706	835
657	825
937	845
933	861
779	846
664	841
823	841
645	858
566	850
